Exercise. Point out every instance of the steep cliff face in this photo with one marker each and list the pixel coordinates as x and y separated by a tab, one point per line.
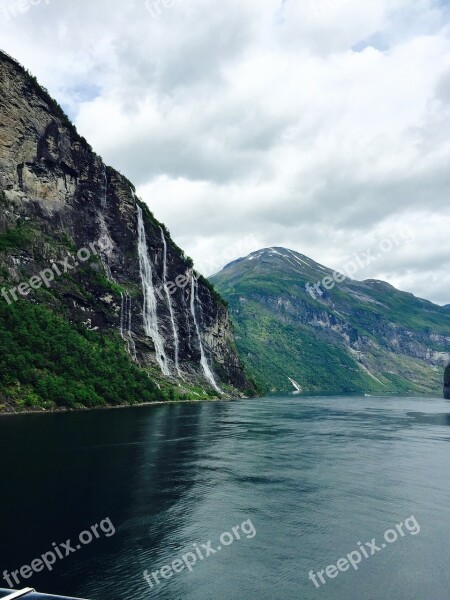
68	218
350	336
447	383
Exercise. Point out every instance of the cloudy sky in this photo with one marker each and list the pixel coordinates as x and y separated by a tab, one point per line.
318	125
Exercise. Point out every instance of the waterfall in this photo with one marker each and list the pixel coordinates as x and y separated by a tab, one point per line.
104	231
170	305
150	316
105	254
103	200
203	361
125	298
125	323
129	332
122	311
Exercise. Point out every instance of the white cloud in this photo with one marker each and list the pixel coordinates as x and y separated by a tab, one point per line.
319	125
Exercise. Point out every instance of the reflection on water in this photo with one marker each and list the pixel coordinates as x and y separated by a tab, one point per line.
436	419
314	475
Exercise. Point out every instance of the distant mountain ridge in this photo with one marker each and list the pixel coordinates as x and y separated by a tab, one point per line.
354	337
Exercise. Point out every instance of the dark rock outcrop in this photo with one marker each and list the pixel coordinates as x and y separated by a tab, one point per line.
447	383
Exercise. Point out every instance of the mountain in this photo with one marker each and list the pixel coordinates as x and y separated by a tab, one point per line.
447	383
98	305
353	337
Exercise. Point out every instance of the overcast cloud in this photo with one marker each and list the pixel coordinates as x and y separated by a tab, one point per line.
319	125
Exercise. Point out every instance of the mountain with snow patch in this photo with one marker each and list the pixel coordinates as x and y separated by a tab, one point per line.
294	321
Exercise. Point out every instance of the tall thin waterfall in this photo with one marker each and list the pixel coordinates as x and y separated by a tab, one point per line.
105	254
125	323
169	304
122	312
104	188
203	360
151	325
104	231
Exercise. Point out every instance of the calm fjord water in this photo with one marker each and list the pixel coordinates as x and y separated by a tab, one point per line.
315	476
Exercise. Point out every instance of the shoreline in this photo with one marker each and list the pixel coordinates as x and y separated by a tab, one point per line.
115	407
12	413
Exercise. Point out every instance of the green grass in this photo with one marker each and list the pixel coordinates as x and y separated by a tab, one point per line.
3	198
16	238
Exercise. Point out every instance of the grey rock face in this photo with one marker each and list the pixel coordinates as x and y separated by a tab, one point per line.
55	186
447	383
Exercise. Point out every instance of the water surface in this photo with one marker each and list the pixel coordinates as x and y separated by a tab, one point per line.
314	475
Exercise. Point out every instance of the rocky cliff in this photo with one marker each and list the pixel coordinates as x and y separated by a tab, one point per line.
299	321
75	238
447	383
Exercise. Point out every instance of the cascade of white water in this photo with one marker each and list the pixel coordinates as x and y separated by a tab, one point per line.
122	310
125	298
105	254
103	200
169	304
125	323
203	360
129	332
150	316
186	312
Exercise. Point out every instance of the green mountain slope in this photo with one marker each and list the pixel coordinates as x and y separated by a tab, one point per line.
356	337
47	363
